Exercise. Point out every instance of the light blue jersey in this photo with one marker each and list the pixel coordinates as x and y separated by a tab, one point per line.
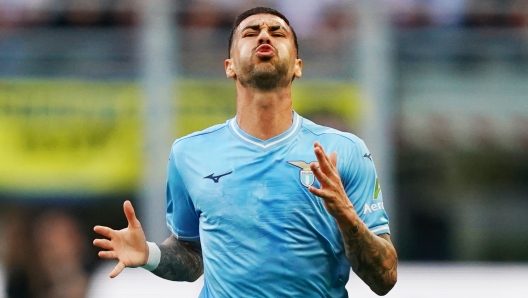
263	233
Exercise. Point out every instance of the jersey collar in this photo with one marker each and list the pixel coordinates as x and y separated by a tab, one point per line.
280	139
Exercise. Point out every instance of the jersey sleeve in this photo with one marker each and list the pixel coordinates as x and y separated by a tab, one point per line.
182	218
363	188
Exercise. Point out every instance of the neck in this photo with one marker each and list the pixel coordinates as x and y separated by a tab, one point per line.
264	114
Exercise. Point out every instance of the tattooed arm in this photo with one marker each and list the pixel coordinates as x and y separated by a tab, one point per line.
373	258
180	260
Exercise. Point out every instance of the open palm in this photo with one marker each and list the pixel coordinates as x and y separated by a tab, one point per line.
128	245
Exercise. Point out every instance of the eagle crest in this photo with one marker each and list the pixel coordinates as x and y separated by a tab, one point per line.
305	175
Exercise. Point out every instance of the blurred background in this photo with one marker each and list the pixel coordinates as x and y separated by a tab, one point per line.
93	93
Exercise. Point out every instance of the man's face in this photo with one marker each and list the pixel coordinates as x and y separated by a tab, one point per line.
263	54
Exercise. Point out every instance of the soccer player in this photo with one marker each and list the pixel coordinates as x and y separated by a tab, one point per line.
256	204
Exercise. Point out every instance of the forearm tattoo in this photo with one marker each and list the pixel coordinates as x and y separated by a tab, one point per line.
180	260
373	259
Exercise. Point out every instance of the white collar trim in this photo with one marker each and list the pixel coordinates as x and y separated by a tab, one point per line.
297	121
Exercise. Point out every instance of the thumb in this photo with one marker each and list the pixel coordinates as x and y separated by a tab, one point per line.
117	269
131	215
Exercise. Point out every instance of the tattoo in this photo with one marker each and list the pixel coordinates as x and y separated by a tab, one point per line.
372	258
180	260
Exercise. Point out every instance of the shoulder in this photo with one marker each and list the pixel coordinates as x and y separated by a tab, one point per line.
200	137
197	136
331	134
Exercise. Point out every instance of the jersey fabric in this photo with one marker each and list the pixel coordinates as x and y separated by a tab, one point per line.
263	234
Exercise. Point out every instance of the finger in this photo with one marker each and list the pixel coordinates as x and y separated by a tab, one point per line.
333	159
318	145
317	192
131	215
117	269
320	176
107	254
322	158
105	231
324	163
103	243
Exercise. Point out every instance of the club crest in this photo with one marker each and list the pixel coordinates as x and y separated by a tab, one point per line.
306	176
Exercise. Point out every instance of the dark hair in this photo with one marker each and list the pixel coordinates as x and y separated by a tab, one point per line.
254	11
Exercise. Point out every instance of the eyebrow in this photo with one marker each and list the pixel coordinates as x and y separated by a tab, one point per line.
252	27
257	27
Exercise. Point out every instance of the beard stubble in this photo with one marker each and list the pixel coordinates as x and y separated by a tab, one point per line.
265	75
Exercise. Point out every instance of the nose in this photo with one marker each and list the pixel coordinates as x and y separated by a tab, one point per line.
264	37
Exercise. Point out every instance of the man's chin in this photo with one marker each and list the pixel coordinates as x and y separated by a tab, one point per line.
267	80
265	58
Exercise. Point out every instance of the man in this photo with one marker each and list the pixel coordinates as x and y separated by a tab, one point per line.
256	204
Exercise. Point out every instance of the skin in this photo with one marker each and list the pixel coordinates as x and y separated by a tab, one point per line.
180	260
263	113
263	65
373	258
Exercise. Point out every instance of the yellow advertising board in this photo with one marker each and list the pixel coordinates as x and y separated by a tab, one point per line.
84	137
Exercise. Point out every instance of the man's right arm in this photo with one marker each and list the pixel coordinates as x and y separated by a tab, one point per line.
180	260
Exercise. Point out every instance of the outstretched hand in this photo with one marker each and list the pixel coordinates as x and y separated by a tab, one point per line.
128	245
332	191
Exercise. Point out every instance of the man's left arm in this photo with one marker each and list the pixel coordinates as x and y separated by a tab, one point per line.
373	258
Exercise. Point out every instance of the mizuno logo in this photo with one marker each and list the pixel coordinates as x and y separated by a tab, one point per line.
216	178
368	156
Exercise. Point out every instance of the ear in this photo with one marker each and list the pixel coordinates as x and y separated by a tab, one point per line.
230	68
297	68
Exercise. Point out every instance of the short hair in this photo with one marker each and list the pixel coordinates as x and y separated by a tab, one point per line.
254	11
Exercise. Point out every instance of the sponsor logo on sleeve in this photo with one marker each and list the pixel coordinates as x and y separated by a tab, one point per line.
377	189
369	208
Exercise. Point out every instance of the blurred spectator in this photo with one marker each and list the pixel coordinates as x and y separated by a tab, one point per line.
424	13
520	127
85	13
484	131
17	13
410	13
205	14
494	13
45	255
60	255
18	253
125	13
519	13
440	132
308	17
11	12
335	29
14	13
447	12
486	13
232	8
213	14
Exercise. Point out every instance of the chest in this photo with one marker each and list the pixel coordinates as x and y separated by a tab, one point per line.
247	186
